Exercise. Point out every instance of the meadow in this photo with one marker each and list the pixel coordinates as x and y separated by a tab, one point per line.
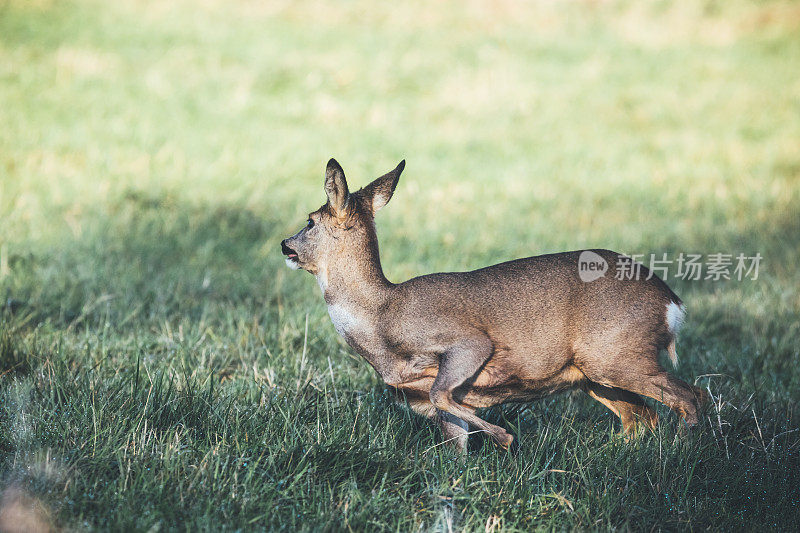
162	370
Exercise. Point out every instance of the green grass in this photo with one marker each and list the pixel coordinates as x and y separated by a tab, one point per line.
161	368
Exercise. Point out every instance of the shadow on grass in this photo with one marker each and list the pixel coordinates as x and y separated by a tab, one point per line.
239	450
147	258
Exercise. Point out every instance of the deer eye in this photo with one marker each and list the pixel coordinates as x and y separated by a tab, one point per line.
310	224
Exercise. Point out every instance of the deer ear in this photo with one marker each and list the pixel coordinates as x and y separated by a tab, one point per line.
378	193
336	187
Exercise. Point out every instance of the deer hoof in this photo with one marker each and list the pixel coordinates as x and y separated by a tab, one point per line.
507	442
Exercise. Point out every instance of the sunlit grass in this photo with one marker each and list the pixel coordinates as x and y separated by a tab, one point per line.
161	367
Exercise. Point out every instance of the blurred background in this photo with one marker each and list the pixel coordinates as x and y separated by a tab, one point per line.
160	150
154	154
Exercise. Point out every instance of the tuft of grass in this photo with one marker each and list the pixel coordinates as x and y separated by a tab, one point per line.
160	368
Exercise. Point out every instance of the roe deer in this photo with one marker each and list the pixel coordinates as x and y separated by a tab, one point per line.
516	331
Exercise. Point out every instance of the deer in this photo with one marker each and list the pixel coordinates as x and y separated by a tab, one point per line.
455	342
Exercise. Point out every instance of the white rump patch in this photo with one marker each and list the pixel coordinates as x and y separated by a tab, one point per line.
291	263
675	316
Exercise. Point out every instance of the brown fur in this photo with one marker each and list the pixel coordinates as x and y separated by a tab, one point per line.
516	331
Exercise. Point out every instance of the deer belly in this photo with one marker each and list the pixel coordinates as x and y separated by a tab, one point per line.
493	386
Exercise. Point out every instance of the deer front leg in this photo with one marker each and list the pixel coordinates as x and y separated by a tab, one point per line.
457	365
454	430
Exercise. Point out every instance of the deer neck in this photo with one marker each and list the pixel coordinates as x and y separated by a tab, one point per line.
354	278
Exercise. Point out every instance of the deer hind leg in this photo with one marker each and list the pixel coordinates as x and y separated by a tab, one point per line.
629	407
641	374
456	367
675	394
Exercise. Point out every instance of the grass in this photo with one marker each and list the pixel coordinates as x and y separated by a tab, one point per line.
160	368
